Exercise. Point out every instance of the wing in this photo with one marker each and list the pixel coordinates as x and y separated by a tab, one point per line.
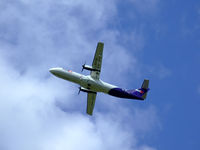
91	102
97	61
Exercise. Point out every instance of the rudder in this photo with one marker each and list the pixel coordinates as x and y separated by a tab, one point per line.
145	85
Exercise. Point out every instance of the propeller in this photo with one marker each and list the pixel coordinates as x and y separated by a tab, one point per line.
83	66
79	90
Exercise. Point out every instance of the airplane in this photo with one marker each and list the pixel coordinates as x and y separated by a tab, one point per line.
91	84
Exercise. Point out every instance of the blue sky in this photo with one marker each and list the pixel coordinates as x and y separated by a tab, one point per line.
153	39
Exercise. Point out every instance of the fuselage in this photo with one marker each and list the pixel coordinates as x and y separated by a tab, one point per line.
92	85
84	81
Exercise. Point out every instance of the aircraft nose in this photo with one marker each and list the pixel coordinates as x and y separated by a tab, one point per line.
52	70
55	71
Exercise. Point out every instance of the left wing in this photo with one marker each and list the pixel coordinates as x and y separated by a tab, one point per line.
91	97
97	61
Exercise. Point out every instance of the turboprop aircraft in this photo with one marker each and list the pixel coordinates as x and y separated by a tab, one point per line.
91	84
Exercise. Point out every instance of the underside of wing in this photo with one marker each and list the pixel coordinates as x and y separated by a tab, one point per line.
91	97
97	61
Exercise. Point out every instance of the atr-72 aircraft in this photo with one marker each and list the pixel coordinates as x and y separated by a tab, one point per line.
91	84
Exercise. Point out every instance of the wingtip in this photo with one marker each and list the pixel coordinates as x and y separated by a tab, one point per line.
89	114
102	43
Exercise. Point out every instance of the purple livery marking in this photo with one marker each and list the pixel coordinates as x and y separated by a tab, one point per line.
130	94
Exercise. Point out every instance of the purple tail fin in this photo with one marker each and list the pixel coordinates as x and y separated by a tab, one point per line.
141	93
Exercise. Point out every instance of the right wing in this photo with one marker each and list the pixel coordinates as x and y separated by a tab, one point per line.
97	61
91	97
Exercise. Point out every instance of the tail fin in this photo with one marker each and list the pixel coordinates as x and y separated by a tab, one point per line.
140	93
145	87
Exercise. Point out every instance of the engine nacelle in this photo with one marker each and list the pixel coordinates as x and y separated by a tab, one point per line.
87	67
86	90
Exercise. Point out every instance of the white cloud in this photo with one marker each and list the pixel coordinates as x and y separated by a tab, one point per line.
31	120
146	148
37	35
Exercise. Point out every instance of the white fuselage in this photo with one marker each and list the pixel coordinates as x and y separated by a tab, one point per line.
86	82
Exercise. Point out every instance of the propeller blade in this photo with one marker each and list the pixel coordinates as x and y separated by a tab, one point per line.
83	66
79	90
